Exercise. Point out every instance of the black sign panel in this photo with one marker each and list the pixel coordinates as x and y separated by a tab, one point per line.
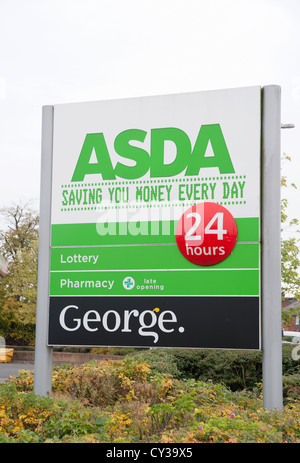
193	322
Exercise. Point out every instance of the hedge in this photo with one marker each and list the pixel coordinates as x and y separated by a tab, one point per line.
235	369
17	334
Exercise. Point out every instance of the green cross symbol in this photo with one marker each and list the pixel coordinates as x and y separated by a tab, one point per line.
128	282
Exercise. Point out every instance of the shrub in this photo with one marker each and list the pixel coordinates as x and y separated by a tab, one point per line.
160	361
25	417
102	383
289	365
236	369
291	388
127	401
16	333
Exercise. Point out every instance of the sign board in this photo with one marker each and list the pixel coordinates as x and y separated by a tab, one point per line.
155	221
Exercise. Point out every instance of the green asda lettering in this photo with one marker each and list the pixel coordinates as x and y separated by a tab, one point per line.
188	158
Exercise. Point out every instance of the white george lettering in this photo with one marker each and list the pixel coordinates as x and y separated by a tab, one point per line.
150	322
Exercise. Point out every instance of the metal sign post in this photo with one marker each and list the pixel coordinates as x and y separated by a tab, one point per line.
271	253
43	353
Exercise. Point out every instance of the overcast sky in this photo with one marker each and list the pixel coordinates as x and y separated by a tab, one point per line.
61	51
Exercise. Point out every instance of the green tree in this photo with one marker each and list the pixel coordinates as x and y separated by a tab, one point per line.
19	245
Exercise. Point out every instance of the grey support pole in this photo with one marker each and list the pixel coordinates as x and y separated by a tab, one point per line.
43	353
271	252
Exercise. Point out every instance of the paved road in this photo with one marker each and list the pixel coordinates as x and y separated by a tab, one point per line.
13	368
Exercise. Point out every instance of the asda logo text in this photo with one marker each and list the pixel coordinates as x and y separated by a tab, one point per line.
130	145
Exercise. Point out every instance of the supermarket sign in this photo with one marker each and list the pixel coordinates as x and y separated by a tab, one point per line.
155	221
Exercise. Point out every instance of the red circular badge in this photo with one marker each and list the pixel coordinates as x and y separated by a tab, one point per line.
206	233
